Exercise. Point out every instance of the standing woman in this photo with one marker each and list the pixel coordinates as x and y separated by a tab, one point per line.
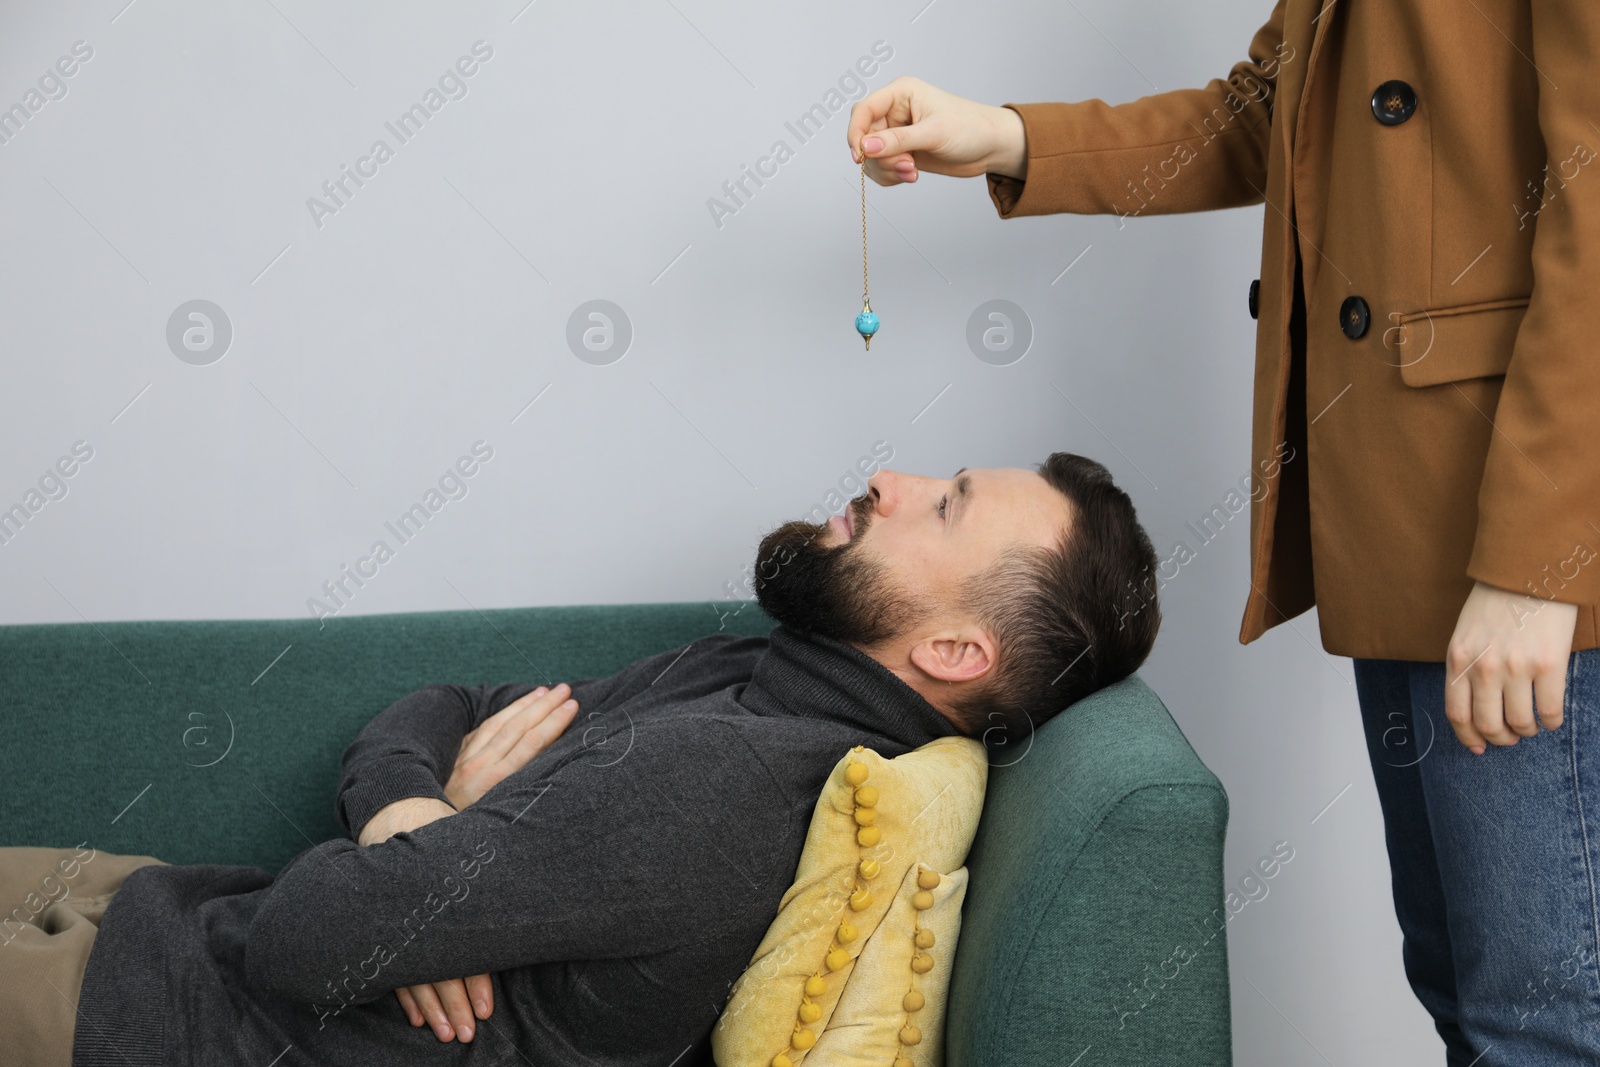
1430	291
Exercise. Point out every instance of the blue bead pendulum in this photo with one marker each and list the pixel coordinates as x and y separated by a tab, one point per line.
867	320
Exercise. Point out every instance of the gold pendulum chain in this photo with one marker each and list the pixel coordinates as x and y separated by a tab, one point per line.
867	320
863	230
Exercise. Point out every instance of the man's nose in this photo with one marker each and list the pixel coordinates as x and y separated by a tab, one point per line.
888	489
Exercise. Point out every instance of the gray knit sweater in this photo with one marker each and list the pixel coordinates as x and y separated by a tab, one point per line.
615	887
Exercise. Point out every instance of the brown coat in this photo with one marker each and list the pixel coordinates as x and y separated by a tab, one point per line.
1458	437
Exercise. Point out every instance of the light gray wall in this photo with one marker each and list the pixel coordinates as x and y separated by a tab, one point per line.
372	347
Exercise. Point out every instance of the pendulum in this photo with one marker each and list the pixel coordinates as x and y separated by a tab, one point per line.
867	321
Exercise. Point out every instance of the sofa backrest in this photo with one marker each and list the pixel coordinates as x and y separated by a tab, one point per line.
220	741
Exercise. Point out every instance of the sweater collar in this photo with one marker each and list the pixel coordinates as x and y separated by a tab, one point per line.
818	677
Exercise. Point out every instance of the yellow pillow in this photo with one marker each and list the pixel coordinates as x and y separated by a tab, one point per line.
838	964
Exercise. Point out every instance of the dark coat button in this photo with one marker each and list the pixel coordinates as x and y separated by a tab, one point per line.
1393	102
1255	298
1353	317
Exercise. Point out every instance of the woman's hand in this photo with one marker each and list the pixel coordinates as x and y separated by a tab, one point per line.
910	126
507	740
1508	654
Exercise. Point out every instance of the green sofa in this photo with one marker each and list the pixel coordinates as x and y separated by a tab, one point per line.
1094	929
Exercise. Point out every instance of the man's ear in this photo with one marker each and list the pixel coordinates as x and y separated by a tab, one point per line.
965	655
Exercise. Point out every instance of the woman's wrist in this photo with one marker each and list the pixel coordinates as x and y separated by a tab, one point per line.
1009	157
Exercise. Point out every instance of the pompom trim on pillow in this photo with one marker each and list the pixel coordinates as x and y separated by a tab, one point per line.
881	872
864	811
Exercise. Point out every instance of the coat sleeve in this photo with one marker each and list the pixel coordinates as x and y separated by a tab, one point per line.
1183	150
409	749
1538	526
579	861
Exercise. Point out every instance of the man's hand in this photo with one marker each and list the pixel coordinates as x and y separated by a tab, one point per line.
449	1006
1508	652
909	126
445	1003
507	740
502	745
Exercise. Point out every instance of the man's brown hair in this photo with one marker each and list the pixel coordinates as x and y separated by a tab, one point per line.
1068	620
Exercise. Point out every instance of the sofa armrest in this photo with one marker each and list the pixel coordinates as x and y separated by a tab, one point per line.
1145	951
1118	944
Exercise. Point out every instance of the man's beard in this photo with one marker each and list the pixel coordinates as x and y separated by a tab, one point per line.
835	591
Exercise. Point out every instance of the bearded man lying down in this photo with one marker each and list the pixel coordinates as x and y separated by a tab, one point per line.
502	885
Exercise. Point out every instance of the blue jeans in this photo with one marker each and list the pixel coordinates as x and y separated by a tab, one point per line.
1494	863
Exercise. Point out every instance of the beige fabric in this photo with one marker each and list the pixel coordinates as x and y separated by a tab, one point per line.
54	899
